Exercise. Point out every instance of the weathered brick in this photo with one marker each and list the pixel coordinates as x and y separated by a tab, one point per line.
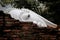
15	30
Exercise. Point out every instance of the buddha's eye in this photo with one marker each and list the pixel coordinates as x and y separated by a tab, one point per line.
28	16
25	16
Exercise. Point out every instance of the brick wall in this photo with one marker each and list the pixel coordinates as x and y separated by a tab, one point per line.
11	29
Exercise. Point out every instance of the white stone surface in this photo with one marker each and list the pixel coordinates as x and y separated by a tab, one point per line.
26	15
